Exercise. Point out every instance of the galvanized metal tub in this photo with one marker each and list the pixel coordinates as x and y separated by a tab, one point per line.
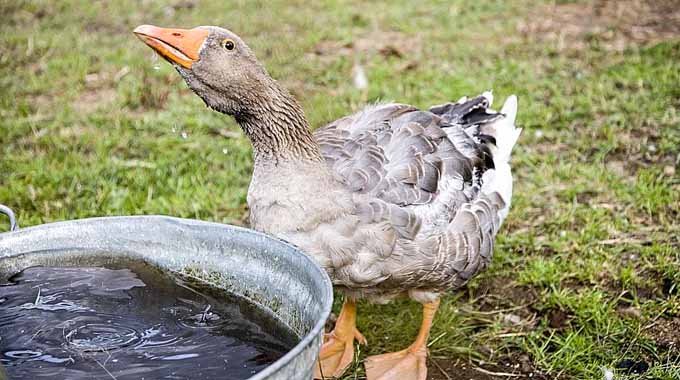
270	273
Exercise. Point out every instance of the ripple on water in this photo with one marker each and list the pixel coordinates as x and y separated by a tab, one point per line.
101	337
78	323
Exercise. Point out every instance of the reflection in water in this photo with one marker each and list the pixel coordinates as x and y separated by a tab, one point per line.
83	323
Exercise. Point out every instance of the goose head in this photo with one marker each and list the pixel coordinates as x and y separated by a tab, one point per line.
216	64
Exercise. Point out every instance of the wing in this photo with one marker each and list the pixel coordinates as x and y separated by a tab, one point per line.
422	172
402	156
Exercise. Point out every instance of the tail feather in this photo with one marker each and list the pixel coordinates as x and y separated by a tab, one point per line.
499	179
498	135
468	112
506	132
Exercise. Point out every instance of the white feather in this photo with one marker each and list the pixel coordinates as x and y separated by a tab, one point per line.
359	77
506	132
499	180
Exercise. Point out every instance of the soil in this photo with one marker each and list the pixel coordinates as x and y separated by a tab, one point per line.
498	293
385	43
92	99
617	24
665	334
509	368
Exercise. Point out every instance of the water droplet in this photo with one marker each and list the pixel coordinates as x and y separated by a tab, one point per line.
156	67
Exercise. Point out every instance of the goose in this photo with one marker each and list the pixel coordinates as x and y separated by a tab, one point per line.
392	201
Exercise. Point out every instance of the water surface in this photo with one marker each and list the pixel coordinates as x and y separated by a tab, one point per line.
138	323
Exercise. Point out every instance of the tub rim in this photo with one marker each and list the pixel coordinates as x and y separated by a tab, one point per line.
327	291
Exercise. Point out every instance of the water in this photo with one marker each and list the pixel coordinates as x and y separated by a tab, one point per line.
137	323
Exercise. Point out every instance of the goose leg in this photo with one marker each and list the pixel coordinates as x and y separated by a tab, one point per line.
337	351
408	364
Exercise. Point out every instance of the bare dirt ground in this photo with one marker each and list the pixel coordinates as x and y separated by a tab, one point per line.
619	23
511	368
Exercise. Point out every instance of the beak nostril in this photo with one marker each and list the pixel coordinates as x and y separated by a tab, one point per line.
180	46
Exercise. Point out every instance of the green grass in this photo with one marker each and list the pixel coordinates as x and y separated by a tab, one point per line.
91	125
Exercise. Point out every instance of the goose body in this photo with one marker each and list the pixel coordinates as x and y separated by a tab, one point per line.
391	201
406	202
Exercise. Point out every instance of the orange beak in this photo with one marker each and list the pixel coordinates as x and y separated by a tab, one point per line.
179	46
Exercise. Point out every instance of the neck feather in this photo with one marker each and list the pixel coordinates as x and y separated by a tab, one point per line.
277	128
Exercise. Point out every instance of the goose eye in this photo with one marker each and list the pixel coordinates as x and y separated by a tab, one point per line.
228	44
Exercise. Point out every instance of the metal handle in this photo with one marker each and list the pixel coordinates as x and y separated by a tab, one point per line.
13	226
